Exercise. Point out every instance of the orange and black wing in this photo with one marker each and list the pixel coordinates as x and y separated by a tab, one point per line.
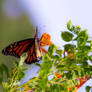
33	47
31	55
17	48
34	53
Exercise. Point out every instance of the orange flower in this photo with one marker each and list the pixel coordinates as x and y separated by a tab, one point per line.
72	89
26	87
71	55
45	51
45	40
58	76
82	81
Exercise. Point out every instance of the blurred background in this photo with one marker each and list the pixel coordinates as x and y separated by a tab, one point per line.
14	26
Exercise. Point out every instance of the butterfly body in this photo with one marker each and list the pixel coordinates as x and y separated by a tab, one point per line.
32	46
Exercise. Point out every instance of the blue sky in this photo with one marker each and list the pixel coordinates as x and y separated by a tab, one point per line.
52	15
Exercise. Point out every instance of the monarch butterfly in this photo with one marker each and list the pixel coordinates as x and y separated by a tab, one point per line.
32	46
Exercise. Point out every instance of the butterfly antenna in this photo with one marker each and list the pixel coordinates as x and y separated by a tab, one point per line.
36	33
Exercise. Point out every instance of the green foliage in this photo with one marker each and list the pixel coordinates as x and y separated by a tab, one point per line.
66	66
69	47
3	72
69	25
90	58
72	28
67	36
13	77
59	52
88	88
52	49
70	67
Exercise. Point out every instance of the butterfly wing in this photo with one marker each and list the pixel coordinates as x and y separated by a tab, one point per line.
17	48
31	46
39	52
32	57
34	53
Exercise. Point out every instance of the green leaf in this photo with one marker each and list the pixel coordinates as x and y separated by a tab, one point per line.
76	72
68	47
68	75
5	69
87	71
76	81
52	49
43	83
60	52
90	57
1	74
88	88
46	65
15	63
56	57
24	68
81	41
21	75
76	30
38	64
67	36
69	25
72	28
82	35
